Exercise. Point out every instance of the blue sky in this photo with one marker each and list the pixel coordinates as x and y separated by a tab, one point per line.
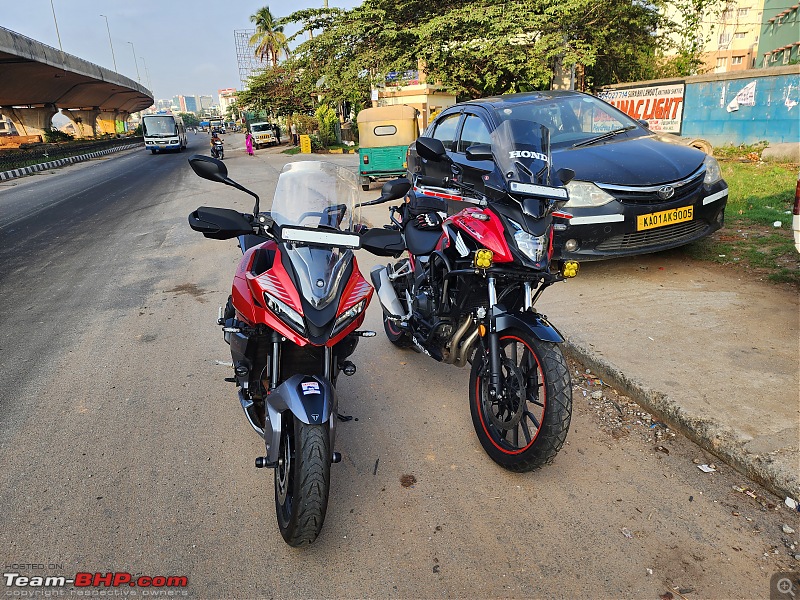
185	46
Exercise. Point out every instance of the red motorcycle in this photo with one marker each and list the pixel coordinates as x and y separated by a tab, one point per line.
291	322
467	289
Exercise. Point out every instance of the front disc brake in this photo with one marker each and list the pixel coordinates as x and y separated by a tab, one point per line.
506	411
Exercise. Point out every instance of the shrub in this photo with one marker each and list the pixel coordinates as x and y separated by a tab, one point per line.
327	119
52	136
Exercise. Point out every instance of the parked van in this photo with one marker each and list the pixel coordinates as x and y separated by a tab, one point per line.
163	132
384	134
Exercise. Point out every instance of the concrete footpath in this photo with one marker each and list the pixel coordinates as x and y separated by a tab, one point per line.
709	350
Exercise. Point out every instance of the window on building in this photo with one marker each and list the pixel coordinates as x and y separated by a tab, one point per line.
786	55
739	35
742	12
721	62
737	60
728	14
724	38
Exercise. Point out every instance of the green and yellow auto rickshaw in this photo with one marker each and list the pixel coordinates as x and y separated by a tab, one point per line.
384	134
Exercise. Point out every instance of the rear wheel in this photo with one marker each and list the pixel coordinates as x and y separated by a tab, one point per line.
525	426
396	335
302	481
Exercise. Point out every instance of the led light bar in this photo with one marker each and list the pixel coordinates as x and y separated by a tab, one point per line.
321	237
539	190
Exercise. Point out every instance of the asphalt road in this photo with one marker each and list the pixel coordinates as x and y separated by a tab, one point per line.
123	449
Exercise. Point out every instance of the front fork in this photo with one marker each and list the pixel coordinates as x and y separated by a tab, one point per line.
494	342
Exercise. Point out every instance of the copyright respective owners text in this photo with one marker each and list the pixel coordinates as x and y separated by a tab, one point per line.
785	586
52	580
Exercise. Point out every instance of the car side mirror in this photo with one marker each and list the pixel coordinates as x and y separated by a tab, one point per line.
643	123
565	175
430	148
479	152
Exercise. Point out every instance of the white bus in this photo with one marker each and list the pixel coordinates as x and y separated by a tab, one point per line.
163	132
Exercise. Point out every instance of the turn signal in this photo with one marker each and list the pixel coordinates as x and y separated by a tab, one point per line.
483	258
569	268
482	330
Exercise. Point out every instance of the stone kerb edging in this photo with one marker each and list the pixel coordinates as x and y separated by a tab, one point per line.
53	164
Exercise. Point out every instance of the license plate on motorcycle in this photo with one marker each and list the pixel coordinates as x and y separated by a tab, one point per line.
665	217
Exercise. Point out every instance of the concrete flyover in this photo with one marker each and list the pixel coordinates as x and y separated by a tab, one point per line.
38	81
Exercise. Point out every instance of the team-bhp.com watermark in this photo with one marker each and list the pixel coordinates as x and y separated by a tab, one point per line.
114	583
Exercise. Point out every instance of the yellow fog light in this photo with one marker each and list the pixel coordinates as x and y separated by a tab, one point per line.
570	268
483	258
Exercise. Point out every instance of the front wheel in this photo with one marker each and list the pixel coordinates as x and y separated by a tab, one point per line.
526	424
302	481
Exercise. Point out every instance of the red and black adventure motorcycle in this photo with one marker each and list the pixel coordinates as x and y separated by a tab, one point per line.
467	288
291	322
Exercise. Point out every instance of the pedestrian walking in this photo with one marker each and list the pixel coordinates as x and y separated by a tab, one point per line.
293	129
248	142
276	129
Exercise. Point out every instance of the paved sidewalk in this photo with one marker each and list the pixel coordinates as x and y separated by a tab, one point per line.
711	351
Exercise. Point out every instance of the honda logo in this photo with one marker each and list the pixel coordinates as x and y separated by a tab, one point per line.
666	192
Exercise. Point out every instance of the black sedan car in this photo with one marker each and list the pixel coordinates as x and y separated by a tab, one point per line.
632	193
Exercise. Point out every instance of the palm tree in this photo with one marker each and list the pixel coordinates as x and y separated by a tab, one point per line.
268	39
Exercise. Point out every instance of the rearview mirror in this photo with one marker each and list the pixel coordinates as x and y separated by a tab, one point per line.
430	148
396	188
479	152
210	168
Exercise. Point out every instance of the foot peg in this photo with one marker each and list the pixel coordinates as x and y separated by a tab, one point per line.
261	463
336	457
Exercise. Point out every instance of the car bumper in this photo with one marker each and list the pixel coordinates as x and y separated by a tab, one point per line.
616	229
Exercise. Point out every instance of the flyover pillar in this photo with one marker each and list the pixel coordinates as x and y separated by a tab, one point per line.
107	122
85	121
31	121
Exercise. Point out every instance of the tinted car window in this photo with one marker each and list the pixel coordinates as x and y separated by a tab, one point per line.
446	130
473	132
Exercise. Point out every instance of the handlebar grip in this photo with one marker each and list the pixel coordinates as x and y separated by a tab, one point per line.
434	181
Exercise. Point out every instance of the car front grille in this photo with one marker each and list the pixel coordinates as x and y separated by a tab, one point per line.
685	191
663	236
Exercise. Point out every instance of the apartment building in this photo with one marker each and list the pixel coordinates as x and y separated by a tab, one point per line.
780	33
733	36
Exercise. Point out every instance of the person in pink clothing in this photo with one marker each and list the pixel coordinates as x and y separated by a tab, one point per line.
248	142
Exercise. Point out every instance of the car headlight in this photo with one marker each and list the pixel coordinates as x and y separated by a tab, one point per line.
713	172
585	193
347	316
285	313
534	247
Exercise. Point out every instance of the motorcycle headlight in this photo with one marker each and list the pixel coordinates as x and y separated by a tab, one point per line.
347	316
585	193
713	172
534	247
285	313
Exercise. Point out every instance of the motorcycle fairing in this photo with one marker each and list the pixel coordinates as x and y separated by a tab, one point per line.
487	233
310	398
534	322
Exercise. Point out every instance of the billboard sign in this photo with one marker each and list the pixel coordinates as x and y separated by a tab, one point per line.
660	105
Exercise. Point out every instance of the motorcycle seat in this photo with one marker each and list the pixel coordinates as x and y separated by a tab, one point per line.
420	241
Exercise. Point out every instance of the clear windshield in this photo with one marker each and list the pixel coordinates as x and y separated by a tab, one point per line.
159	126
260	127
521	150
318	195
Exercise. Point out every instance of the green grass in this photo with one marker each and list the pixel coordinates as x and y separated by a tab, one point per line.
759	194
291	151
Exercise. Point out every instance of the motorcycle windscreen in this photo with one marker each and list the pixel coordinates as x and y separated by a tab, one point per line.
316	194
521	150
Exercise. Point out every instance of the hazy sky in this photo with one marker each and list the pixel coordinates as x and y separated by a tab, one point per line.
185	46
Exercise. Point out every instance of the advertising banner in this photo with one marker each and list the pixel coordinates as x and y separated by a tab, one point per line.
661	106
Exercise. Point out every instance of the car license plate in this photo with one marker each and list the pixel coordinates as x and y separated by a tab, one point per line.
665	217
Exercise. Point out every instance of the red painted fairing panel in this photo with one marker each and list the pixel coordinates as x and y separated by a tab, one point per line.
488	234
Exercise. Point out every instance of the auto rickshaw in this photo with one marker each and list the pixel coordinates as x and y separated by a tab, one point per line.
384	134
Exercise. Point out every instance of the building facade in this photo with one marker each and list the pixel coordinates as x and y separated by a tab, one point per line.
780	33
733	37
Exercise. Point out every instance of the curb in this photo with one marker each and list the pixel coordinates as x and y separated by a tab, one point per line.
718	439
21	172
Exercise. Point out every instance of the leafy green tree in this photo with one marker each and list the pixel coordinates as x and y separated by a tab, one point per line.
268	40
189	119
275	90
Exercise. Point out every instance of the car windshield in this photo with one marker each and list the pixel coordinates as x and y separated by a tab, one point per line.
157	126
571	119
261	127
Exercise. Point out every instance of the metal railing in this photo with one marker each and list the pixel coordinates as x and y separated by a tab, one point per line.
43	153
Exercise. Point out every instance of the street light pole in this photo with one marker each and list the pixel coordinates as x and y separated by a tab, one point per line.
133	49
110	44
146	74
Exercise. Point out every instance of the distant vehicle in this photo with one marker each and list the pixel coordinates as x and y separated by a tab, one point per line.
163	132
263	134
216	125
384	133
